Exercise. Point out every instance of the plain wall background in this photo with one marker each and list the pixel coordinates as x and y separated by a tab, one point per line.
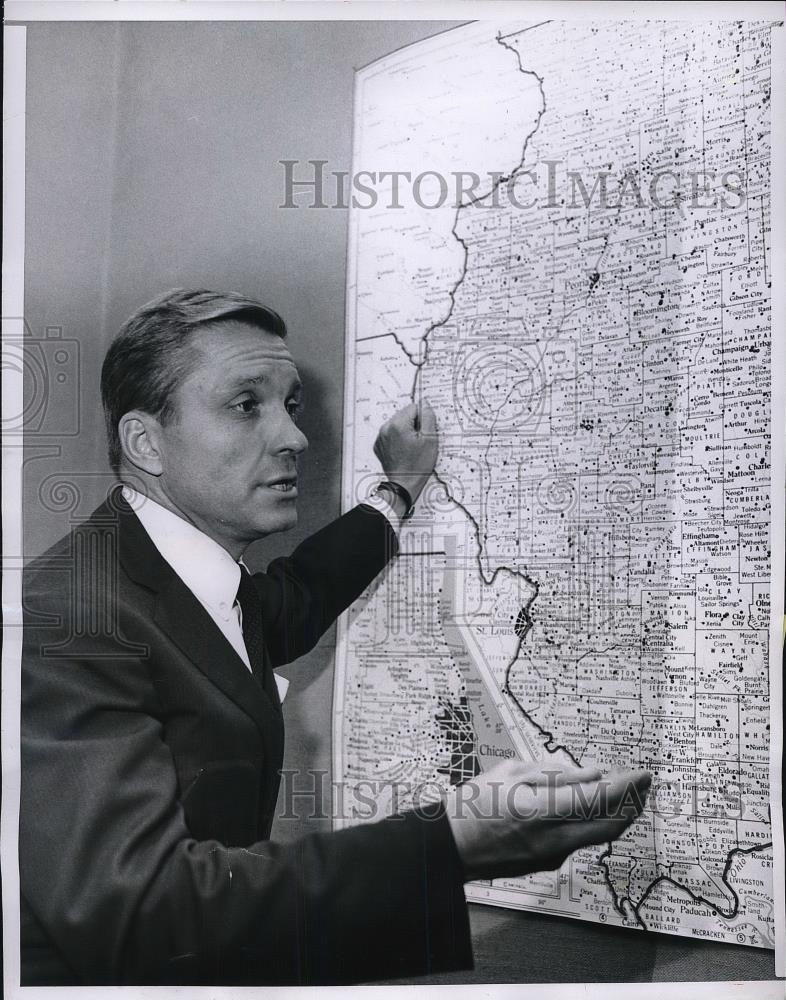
152	161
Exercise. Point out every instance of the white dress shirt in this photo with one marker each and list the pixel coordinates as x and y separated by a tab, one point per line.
207	569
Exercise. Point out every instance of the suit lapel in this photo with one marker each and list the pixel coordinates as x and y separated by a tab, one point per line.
180	615
187	623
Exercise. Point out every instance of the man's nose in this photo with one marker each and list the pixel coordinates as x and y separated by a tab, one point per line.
291	438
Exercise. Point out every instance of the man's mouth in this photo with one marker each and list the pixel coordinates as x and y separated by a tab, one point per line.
284	485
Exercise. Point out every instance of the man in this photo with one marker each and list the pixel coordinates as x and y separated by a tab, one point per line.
152	733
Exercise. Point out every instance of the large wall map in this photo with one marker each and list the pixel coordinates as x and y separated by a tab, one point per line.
587	577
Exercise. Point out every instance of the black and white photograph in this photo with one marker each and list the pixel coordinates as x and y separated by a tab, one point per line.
394	425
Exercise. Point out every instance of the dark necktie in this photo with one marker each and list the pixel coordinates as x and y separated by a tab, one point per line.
250	606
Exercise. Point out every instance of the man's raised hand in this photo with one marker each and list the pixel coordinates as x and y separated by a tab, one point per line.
407	447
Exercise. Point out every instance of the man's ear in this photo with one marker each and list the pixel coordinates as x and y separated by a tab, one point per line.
140	439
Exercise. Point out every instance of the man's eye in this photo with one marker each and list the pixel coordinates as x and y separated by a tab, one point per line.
294	407
246	405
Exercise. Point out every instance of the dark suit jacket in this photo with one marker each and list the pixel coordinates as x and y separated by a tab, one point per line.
150	759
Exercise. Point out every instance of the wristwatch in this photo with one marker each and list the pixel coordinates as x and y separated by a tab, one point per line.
401	492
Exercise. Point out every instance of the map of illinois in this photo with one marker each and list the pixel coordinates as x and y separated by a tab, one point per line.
588	578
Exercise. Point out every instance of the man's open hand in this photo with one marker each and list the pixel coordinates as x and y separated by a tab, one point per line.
515	818
407	447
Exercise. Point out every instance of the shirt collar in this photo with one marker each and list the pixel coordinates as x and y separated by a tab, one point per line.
207	569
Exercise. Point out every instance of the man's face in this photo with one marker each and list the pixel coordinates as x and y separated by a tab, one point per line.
229	452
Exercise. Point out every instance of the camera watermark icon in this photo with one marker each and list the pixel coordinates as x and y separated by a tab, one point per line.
48	368
87	622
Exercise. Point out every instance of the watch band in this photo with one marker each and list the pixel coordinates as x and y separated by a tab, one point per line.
401	492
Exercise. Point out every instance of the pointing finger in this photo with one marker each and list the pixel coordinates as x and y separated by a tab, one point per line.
427	418
616	797
554	777
578	775
622	783
609	799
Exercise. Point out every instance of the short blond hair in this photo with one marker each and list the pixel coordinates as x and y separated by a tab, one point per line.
149	358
